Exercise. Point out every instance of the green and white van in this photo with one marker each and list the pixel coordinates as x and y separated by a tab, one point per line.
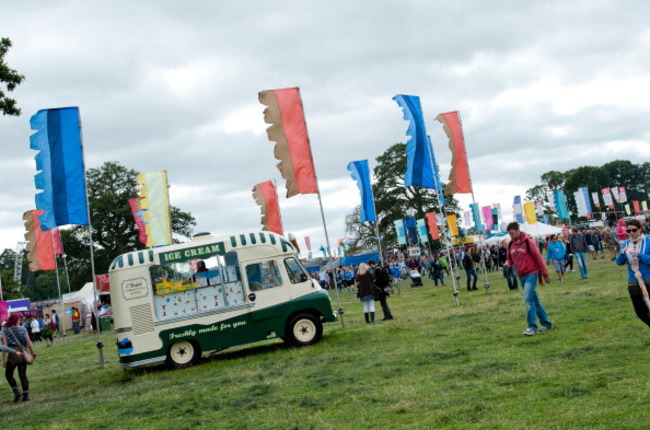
177	302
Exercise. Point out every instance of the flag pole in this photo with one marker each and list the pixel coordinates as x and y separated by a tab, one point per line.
329	251
58	285
100	344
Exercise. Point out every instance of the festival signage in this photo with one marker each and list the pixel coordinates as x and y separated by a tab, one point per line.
202	251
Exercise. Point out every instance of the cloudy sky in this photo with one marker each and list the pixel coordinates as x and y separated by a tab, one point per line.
544	85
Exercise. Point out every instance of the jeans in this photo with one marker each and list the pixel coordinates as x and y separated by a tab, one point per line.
535	308
582	263
471	273
511	277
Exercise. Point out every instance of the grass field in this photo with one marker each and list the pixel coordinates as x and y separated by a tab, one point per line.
437	365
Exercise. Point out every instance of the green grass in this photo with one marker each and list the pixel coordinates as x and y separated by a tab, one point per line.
436	365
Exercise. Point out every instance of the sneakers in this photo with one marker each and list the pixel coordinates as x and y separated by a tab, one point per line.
545	329
17	395
529	332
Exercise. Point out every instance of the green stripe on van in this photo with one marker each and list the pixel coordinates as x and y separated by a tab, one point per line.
233	242
253	240
242	238
272	237
262	238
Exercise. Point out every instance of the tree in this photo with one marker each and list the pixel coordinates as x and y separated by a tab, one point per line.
625	174
362	233
554	180
9	77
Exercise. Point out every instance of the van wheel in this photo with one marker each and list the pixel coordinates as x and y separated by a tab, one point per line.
303	330
182	354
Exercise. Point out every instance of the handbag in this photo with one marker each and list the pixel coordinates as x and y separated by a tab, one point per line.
26	357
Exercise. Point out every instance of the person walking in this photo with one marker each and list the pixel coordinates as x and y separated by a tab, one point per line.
382	281
470	271
436	269
556	252
579	247
366	292
14	336
636	253
36	330
529	265
48	330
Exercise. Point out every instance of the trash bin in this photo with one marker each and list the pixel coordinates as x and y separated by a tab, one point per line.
105	323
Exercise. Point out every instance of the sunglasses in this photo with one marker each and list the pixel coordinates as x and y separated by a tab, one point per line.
632	230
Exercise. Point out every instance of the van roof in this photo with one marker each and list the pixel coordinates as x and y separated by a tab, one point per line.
200	247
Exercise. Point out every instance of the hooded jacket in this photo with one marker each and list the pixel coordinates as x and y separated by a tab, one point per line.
526	257
644	260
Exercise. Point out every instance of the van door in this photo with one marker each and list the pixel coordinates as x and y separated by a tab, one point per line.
268	291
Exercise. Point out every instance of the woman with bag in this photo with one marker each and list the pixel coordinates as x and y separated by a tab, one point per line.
636	253
15	336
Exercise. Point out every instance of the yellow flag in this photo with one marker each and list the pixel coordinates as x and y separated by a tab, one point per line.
529	213
451	221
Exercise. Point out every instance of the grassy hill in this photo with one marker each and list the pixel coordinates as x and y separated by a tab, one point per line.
437	365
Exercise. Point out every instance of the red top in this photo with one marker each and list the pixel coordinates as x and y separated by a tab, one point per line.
526	258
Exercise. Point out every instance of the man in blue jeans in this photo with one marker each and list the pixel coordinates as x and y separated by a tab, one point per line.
529	265
579	247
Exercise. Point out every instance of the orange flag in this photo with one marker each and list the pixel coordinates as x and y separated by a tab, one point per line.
433	225
40	246
459	179
289	130
266	197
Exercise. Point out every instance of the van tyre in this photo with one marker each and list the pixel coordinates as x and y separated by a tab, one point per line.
303	330
183	354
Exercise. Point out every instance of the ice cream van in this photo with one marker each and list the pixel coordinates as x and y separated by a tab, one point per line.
176	303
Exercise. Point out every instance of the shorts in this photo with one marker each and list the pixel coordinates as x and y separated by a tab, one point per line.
558	265
591	248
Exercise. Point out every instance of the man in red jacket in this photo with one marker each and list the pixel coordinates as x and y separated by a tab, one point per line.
529	265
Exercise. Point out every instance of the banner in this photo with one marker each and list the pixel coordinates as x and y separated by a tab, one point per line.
644	205
56	241
459	177
636	206
617	197
400	231
622	196
451	222
580	202
138	217
518	210
154	201
411	231
308	243
487	216
266	197
539	208
627	209
495	219
497	206
433	225
476	217
40	248
607	198
288	129
561	204
529	213
594	197
360	172
59	163
467	219
422	231
550	196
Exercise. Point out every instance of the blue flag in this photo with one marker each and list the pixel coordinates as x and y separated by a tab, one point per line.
476	217
60	166
560	204
360	173
411	231
518	210
400	230
423	234
419	160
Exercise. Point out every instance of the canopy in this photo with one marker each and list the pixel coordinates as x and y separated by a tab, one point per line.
85	295
540	229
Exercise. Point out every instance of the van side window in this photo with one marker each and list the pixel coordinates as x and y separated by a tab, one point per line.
263	275
295	271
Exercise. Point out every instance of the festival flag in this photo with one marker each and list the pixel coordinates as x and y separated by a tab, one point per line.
495	219
422	231
138	217
636	206
622	196
529	213
550	196
59	163
539	208
324	251
459	177
308	243
451	222
607	198
433	225
40	246
580	202
594	197
155	203
518	210
487	216
266	197
497	206
411	230
419	154
616	195
644	205
561	204
467	219
56	241
400	231
627	209
361	174
284	111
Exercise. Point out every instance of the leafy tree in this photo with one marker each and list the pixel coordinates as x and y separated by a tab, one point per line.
554	180
363	233
624	173
9	77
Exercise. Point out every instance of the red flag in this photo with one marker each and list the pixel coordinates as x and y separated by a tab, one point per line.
308	243
40	247
433	225
289	130
637	208
56	240
137	212
266	197
459	179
